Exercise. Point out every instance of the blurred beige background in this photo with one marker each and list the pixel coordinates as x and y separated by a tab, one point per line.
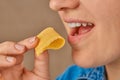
20	19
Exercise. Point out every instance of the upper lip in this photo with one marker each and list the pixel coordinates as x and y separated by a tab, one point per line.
73	20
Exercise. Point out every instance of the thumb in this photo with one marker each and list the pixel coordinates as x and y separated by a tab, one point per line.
41	66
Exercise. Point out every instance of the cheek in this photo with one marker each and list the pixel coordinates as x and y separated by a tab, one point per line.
67	28
103	9
107	19
65	25
106	43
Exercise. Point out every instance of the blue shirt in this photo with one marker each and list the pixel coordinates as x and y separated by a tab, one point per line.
75	72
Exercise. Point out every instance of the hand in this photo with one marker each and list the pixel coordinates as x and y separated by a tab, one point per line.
11	58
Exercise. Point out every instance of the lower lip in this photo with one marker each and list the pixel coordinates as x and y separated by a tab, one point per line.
82	32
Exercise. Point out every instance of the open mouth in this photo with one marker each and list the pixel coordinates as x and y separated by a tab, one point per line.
80	28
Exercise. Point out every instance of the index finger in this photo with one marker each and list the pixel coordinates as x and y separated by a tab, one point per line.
29	43
13	48
10	47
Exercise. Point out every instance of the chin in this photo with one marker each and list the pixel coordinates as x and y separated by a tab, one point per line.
84	60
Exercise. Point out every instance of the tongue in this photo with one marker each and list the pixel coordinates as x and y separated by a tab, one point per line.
83	30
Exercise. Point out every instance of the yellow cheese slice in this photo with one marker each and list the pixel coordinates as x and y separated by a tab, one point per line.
49	39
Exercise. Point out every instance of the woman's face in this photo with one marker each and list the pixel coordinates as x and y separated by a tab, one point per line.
93	28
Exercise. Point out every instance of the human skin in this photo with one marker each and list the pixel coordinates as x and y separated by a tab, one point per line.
101	45
11	58
98	47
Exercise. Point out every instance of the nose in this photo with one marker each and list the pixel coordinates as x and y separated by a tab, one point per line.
58	5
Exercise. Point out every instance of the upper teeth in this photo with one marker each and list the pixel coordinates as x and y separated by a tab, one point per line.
84	24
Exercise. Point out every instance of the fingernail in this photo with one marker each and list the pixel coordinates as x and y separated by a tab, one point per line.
32	39
10	59
19	47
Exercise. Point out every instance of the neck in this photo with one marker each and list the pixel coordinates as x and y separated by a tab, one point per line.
113	70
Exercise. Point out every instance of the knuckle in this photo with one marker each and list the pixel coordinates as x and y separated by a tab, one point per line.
5	46
10	47
8	43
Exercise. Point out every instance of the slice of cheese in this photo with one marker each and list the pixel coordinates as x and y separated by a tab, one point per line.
49	39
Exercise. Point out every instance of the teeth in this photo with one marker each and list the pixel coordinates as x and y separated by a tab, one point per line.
78	24
84	24
90	24
73	25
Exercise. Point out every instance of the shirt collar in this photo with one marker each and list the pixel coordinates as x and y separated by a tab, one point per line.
97	73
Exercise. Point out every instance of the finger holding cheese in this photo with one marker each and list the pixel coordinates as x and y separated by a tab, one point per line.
49	39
